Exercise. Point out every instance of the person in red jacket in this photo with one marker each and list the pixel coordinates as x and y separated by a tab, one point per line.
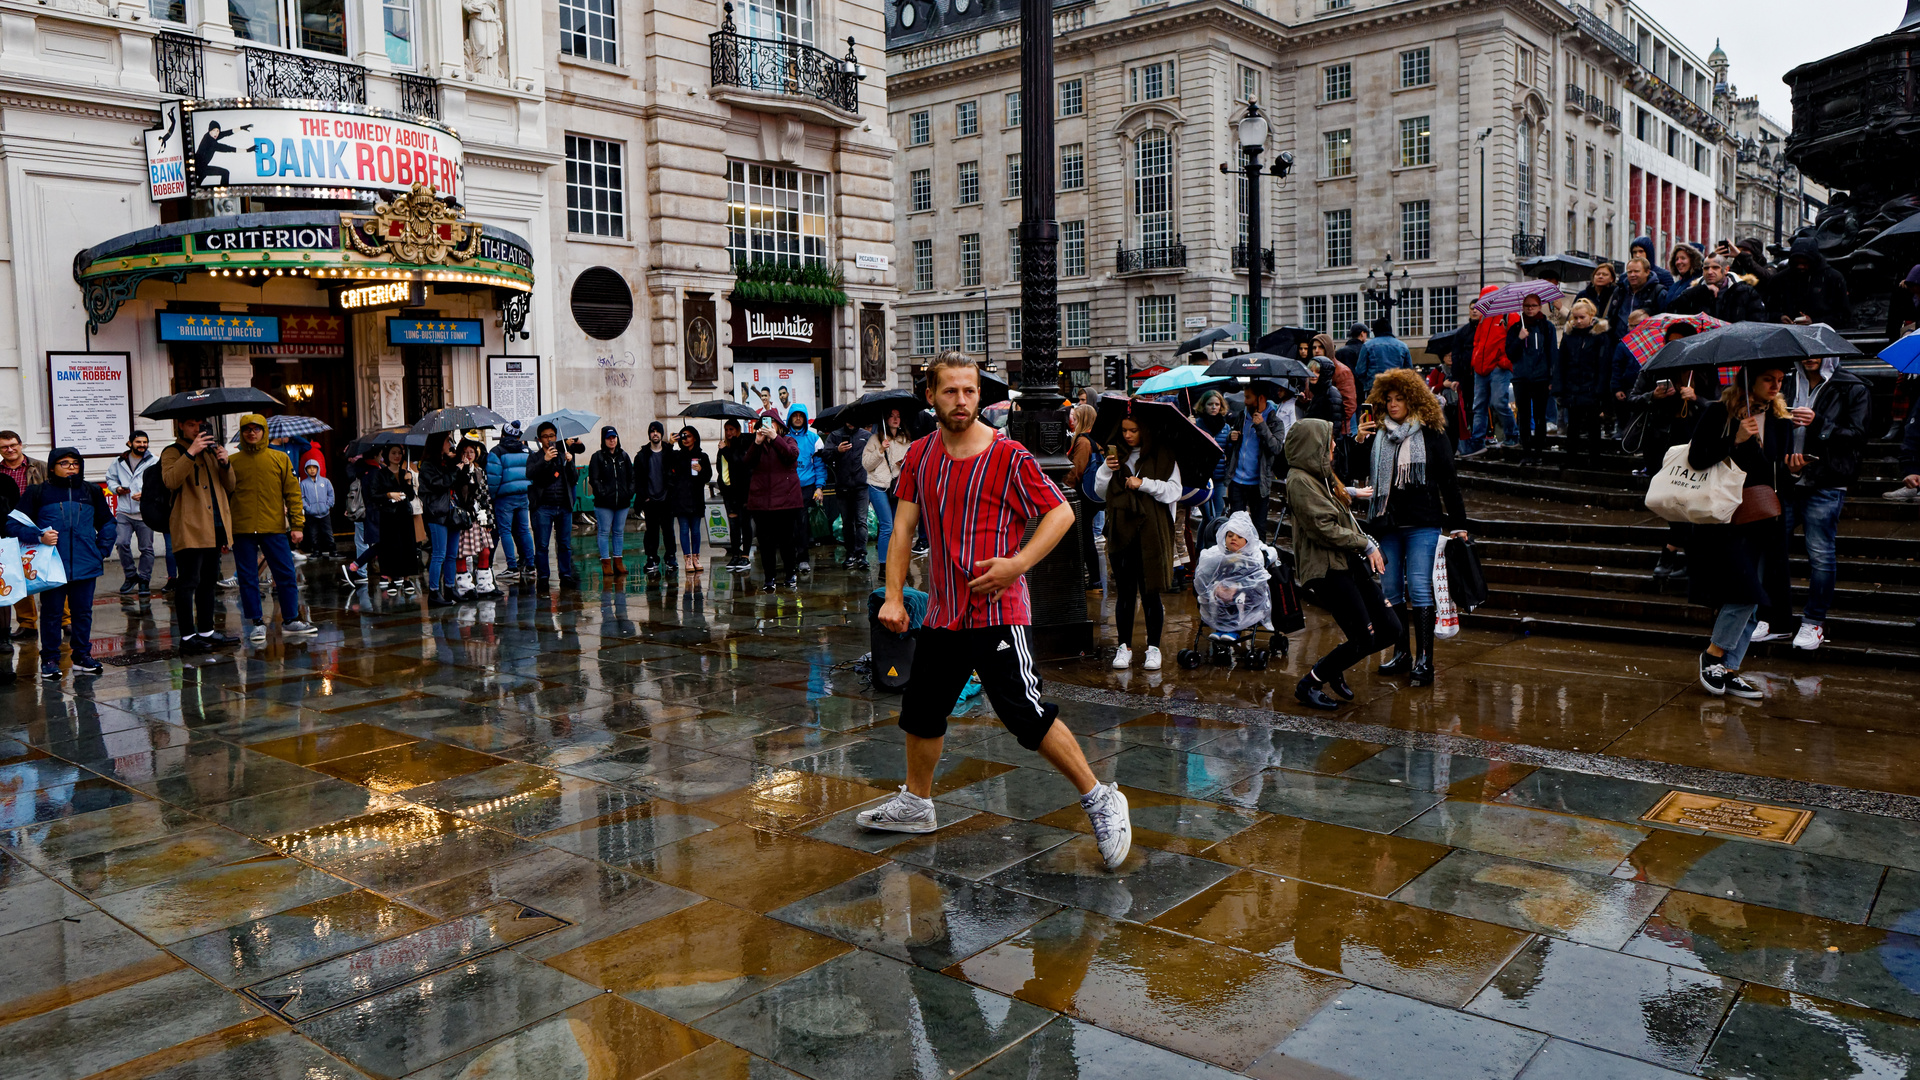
774	498
1492	379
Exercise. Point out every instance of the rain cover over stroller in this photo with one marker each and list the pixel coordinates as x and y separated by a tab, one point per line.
1232	586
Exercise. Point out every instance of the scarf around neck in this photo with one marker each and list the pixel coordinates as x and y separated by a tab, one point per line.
1399	460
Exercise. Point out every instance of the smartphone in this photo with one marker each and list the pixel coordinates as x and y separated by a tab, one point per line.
1668	383
766	423
1366	409
1113	451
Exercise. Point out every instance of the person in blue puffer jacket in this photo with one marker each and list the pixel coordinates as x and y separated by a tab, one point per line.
70	514
508	485
813	476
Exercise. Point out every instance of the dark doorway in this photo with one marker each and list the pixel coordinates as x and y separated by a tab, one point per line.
423	388
316	386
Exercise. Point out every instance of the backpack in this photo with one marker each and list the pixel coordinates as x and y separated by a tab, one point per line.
356	502
156	500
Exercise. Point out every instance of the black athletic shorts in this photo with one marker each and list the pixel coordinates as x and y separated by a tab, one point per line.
943	661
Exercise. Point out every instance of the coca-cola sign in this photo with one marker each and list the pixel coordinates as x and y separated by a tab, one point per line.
777	326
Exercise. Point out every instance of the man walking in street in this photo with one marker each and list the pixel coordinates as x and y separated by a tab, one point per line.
267	518
124	477
1252	450
24	472
1381	354
1830	409
978	489
196	470
552	476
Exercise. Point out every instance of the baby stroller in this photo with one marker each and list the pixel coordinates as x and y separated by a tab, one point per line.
1229	630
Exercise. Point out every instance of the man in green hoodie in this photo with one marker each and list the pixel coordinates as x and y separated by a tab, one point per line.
267	513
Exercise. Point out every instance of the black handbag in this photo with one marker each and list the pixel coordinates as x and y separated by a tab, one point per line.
1288	615
1466	581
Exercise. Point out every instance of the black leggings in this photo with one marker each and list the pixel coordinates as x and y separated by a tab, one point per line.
1355	603
1530	402
199	573
1129	572
777	537
659	521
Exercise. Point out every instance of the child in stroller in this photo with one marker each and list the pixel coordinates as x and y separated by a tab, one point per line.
1230	581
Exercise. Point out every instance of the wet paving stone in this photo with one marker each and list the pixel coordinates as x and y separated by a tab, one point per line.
1174	772
525	800
1766	874
399	768
259	949
884	765
311	749
753	868
962	732
1148	883
782	746
120	869
1070	1050
862	1015
118	1026
976	845
1588	908
29	898
843	829
917	915
712	732
699	959
1022	793
84	796
1655	1012
444	1014
1772	1033
212	772
1352	859
1898	905
1296	750
1338	800
70	959
416	861
1003	748
1459	776
295	809
1563	840
625	835
103	830
1191	996
1561	1060
194	904
1427	954
606	1036
1167	822
280	1056
1585	795
1371	1035
623	759
789	800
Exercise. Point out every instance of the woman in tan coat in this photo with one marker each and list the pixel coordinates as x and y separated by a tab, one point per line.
195	470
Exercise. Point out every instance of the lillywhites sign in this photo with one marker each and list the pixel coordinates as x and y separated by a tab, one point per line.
790	328
226	145
776	326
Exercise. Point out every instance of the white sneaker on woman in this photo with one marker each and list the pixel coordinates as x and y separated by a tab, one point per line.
1763	632
1123	658
1153	658
1809	637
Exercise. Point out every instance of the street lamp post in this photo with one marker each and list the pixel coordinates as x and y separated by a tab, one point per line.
986	326
1252	134
1384	297
1480	140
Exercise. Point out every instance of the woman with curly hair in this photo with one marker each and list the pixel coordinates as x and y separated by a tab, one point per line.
1412	498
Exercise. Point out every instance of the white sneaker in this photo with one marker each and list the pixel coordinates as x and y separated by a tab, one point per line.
299	557
1902	494
258	632
1763	632
297	628
1122	659
1106	808
230	583
905	812
1153	658
1810	636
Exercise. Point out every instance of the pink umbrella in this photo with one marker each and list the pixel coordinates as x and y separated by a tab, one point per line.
1646	338
1506	299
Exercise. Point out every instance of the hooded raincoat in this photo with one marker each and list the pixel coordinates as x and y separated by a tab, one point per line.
1326	536
1232	585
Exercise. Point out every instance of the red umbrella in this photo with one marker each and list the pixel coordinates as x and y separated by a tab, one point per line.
1506	299
1650	334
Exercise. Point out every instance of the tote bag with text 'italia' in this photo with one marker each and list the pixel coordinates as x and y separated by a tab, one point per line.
1680	492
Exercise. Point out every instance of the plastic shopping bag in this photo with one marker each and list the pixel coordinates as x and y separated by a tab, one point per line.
40	564
13	577
1446	616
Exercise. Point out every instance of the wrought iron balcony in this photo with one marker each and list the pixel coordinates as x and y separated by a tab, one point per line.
1240	258
1576	97
1612	118
179	60
1158	257
1596	27
1526	245
419	94
1596	107
273	74
790	68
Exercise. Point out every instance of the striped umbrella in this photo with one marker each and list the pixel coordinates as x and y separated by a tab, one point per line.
1506	299
1646	338
291	426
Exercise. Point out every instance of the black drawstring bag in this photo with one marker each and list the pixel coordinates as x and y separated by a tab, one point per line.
1466	582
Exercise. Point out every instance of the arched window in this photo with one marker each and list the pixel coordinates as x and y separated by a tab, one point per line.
1523	178
1153	189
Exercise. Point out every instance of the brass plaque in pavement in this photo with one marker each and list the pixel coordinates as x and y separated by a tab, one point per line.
1756	820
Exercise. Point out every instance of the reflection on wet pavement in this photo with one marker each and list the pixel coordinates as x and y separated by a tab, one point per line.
612	836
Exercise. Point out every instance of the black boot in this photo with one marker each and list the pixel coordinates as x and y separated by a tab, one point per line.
1338	684
1308	693
1401	662
1423	619
1668	562
437	598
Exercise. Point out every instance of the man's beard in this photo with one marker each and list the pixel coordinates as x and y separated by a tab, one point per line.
957	421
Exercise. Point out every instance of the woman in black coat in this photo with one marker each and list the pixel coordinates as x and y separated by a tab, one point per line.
393	494
689	471
1741	567
1582	377
610	478
437	505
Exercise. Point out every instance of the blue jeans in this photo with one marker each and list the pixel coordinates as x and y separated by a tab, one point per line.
1492	396
128	529
514	524
440	560
882	519
1820	513
359	543
610	530
1409	554
247	549
549	521
173	568
1733	631
78	596
690	529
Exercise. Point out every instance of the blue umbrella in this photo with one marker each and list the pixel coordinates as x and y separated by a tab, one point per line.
567	423
1904	355
1181	378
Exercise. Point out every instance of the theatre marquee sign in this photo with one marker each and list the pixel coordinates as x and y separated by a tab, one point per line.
298	148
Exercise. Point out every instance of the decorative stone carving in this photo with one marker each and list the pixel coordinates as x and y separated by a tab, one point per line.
701	344
484	37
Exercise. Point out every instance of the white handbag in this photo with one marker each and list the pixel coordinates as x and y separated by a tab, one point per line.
1679	492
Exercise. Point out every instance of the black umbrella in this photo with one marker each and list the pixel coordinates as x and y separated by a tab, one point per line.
1259	365
457	418
213	401
1209	337
1193	449
870	409
719	410
1749	343
392	436
1284	340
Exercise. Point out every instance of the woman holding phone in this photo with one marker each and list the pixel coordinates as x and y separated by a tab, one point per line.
1141	485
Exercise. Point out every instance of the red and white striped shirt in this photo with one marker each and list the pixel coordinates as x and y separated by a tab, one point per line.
975	509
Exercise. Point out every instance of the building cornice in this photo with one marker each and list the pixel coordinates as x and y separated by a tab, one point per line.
129	106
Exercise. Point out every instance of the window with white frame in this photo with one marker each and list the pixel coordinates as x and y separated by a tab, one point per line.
1073	249
1072	97
951	335
1153	189
398	29
587	30
966	119
976	331
1313	313
1249	83
1336	82
921	185
1416	142
1151	82
1337	225
1073	167
1573	165
310	25
969	183
925	343
1013	255
1076	325
1606	174
1416	230
596	187
1416	67
969	260
1593	234
922	265
919	128
174	11
1013	109
1159	318
1013	176
1337	153
1443	309
1239	310
777	215
1523	65
1013	329
1593	177
1412	313
781	20
1346	311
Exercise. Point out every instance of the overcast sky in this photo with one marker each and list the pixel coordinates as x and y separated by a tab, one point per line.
1765	38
